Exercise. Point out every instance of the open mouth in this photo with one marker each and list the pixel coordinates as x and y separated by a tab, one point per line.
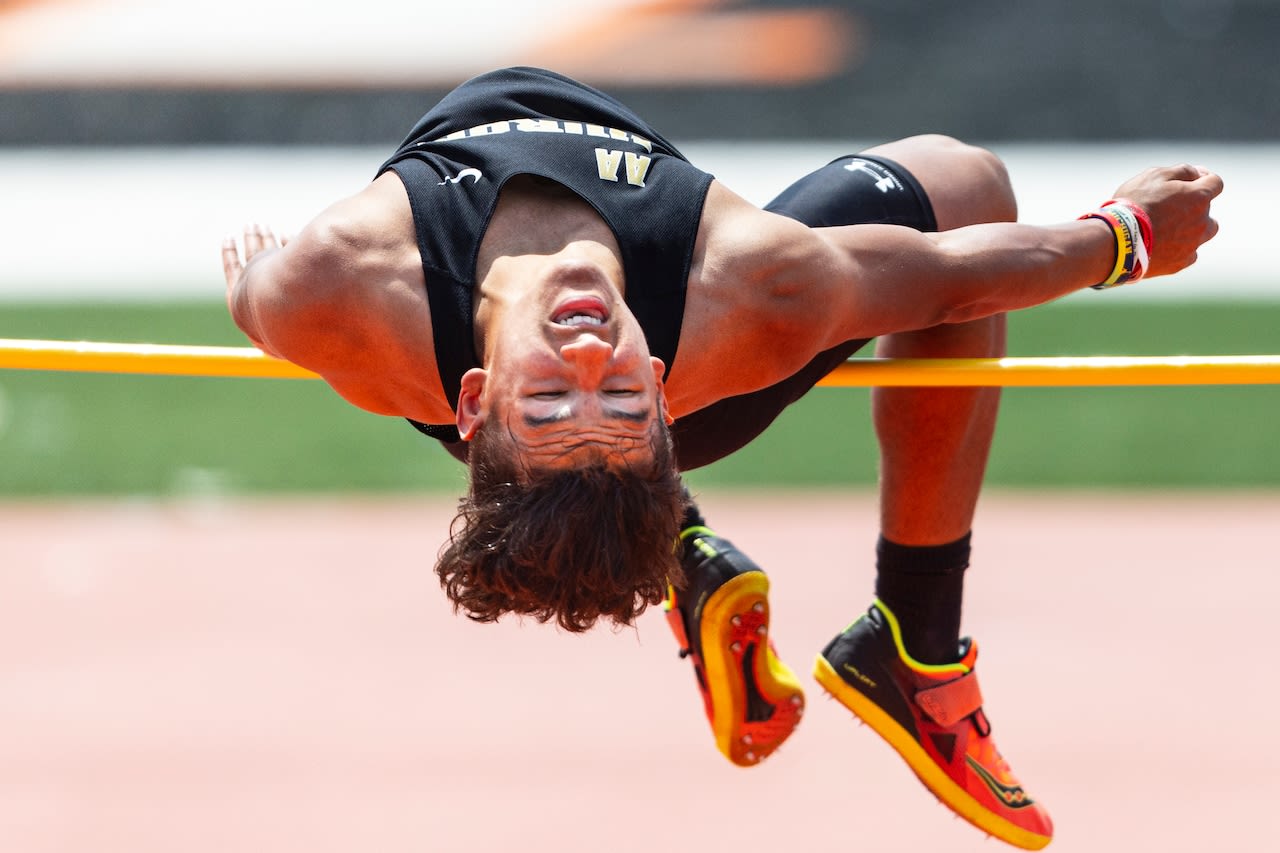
582	311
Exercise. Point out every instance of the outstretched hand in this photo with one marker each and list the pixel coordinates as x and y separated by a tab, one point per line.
257	239
1177	199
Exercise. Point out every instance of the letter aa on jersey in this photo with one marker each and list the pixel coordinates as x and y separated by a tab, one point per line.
609	162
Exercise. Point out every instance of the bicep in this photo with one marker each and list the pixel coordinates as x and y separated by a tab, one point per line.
886	278
830	285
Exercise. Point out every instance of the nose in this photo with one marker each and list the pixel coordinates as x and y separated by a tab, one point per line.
589	356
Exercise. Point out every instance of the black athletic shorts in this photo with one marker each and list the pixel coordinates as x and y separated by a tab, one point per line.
852	190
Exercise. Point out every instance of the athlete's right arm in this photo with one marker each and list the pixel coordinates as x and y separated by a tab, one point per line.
345	299
281	293
260	244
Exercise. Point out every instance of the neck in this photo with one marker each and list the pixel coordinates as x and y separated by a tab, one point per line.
535	216
536	225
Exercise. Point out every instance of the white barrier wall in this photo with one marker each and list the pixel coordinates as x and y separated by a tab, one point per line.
146	223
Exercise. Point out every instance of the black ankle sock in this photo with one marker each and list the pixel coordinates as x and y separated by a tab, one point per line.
923	586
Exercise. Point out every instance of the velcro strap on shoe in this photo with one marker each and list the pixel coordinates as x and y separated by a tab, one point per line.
948	704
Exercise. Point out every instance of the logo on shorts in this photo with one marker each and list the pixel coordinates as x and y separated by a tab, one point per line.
474	174
885	180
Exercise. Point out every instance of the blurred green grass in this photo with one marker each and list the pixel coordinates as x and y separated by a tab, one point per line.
83	434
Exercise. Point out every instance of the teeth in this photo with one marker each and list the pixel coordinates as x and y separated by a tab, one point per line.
582	320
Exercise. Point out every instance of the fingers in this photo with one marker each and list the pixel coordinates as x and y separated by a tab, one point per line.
1210	183
1181	172
1210	229
231	264
258	238
1203	178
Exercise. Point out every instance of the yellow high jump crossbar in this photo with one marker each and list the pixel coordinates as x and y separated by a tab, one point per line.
248	362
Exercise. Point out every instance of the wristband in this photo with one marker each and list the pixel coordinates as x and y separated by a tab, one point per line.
1134	240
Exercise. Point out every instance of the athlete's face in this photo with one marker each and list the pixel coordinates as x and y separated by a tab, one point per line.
568	375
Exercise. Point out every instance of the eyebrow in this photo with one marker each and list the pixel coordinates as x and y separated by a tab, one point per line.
641	417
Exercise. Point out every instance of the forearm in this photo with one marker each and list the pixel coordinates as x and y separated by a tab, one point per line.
1154	225
896	279
1005	266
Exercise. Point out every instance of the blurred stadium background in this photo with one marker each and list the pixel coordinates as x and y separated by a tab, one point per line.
181	671
135	133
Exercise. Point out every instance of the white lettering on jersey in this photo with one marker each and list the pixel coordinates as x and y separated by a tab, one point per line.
637	168
538	125
548	125
608	162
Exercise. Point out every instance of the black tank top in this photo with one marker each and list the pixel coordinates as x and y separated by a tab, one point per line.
527	121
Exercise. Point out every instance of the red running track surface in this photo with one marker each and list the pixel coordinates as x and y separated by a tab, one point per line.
286	676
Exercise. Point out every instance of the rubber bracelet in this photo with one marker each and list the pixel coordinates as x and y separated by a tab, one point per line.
1144	230
1122	254
1127	213
1134	238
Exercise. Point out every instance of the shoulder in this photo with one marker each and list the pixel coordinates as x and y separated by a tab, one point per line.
761	299
728	219
370	231
346	299
331	266
779	256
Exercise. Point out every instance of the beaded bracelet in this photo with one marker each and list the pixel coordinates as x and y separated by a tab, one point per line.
1134	240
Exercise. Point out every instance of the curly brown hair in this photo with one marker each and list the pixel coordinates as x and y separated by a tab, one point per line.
573	546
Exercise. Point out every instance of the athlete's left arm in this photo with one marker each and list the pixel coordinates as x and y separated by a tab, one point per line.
872	280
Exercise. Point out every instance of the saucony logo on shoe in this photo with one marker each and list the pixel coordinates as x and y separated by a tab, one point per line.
1011	795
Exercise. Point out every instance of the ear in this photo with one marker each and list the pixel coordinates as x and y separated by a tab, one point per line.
658	369
471	414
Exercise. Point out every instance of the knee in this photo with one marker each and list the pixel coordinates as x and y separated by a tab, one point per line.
966	183
993	185
984	178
